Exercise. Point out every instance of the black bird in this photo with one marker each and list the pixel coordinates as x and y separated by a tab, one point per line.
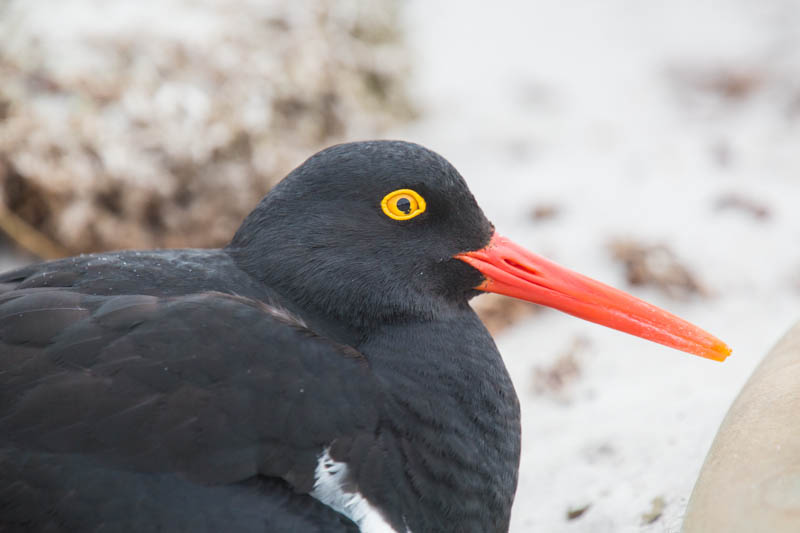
323	372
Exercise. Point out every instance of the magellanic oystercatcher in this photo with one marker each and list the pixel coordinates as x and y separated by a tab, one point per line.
323	372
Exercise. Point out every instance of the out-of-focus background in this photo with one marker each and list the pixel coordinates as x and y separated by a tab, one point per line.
652	145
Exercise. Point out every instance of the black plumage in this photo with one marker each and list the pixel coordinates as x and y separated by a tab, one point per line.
195	390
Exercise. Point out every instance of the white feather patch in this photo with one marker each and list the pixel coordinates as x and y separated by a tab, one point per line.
329	478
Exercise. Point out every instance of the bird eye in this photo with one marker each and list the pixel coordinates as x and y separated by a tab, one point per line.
403	204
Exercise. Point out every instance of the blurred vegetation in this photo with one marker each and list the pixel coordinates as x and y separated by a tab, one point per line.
161	123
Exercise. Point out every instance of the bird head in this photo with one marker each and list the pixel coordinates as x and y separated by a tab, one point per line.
388	231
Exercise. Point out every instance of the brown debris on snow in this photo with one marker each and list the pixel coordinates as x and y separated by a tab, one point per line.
544	212
577	512
656	510
655	265
125	132
499	312
732	83
562	371
742	203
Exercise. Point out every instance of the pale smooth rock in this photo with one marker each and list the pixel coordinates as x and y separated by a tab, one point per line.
750	482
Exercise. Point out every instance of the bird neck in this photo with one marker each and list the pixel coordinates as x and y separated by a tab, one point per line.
453	417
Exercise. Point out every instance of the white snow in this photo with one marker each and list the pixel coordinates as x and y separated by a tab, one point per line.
603	108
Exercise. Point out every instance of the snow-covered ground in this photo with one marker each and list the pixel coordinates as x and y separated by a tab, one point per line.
636	119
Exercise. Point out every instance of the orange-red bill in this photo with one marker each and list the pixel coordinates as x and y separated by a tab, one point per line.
514	271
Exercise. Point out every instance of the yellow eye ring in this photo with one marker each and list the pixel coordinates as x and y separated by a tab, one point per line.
403	204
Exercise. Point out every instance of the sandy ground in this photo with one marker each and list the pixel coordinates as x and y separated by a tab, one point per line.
675	123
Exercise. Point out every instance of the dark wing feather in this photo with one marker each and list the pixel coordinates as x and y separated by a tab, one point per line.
155	272
56	493
214	388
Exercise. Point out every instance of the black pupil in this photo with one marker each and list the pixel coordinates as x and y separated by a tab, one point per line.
404	205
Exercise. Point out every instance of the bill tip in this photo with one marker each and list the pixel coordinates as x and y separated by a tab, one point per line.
720	351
